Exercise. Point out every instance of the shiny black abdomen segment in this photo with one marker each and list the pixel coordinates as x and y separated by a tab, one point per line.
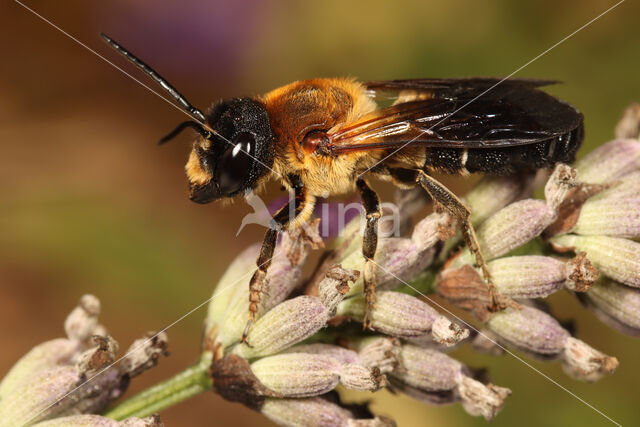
507	160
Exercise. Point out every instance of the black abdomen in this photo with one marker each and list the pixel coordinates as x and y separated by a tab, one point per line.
507	160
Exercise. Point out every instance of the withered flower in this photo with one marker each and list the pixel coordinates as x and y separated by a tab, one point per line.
59	380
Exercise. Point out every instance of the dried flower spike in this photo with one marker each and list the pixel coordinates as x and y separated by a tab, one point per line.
585	363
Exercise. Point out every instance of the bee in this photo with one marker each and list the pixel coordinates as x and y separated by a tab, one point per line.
331	136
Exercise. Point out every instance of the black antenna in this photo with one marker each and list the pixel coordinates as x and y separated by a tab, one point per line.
157	77
182	126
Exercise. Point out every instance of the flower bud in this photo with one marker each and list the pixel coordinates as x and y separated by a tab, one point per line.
559	184
536	276
427	369
615	257
283	276
305	374
616	305
93	360
512	227
44	356
333	288
425	233
100	421
313	411
358	377
447	333
33	400
342	354
585	363
394	314
529	329
627	187
381	353
611	216
82	321
610	161
143	354
286	267
492	194
398	259
284	325
629	124
231	296
298	374
479	399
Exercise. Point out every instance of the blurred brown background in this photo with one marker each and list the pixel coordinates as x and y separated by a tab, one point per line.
91	204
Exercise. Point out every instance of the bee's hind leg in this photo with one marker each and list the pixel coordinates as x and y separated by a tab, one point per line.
371	204
444	198
457	209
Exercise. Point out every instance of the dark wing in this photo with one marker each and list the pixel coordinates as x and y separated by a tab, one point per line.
465	113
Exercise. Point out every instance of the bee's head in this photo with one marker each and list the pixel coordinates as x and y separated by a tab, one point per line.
235	149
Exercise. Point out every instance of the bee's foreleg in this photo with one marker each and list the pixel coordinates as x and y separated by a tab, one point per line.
371	204
457	209
257	280
281	219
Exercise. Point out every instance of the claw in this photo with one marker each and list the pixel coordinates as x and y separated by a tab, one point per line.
245	334
366	322
495	305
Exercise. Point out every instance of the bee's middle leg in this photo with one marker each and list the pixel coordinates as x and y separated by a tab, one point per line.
371	204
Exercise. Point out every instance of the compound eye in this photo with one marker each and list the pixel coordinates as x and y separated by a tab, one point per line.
235	164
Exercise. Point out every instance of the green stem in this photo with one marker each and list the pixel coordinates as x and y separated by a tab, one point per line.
188	383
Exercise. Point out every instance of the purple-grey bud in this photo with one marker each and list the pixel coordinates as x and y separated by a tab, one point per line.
534	276
492	194
510	228
427	369
44	356
314	411
610	161
529	329
615	257
380	352
610	216
616	304
284	325
395	313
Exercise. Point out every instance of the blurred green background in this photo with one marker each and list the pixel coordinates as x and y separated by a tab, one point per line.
91	204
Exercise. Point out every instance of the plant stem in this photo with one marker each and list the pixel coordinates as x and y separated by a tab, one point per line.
188	383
